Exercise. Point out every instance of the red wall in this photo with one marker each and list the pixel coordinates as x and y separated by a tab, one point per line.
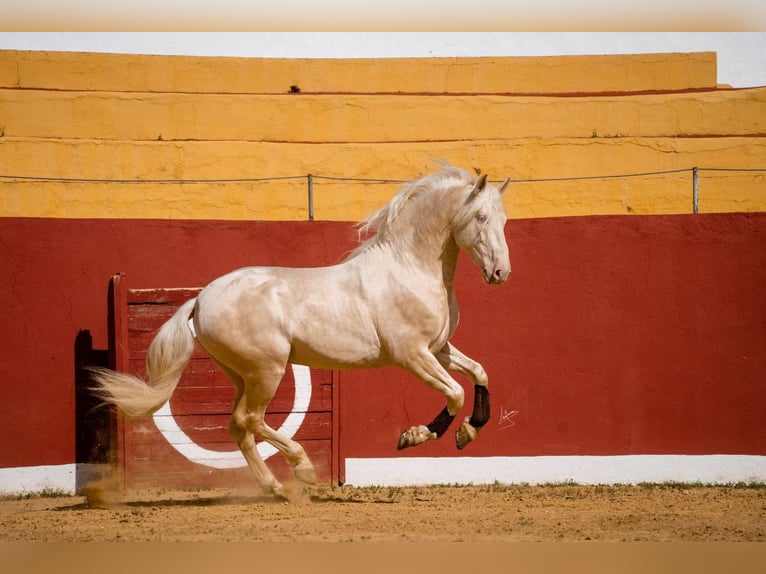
614	335
55	276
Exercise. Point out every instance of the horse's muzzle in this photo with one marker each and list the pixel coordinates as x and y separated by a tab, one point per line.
496	275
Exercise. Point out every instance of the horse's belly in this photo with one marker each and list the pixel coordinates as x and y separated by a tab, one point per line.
333	350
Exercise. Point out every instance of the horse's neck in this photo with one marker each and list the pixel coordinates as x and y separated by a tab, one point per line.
425	246
432	255
428	245
449	262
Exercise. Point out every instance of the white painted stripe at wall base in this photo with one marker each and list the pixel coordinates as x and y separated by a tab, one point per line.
60	477
628	469
65	478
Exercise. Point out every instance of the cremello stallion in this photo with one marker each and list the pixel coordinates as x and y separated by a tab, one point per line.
391	302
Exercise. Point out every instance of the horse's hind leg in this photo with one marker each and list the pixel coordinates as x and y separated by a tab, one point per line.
245	440
454	360
303	469
259	389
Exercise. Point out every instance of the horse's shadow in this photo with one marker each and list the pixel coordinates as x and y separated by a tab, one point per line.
239	500
223	500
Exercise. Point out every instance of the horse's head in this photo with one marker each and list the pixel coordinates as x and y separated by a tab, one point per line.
480	230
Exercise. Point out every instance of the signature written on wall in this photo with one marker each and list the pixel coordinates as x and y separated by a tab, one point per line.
506	418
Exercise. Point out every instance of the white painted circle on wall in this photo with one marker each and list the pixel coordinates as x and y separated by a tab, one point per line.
179	440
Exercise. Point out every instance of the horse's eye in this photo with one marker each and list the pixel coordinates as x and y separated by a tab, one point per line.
482	217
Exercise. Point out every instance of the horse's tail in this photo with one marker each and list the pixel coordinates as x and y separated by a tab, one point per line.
165	360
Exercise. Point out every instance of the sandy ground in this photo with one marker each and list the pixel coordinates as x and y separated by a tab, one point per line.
495	513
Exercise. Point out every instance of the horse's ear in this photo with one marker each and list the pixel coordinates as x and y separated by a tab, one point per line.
504	185
480	184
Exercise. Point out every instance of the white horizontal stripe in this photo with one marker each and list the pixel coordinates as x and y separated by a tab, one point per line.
627	469
65	478
20	480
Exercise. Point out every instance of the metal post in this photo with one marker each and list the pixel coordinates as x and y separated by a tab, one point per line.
311	197
695	190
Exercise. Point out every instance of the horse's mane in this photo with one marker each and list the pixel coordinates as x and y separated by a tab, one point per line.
380	222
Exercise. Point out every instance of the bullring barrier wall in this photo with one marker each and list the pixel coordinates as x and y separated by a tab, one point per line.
155	167
635	344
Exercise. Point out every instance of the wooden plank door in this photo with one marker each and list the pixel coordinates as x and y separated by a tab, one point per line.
186	443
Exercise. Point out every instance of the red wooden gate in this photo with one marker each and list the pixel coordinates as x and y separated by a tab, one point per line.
187	444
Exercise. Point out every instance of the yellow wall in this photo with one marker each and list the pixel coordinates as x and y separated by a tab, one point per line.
531	75
118	117
377	119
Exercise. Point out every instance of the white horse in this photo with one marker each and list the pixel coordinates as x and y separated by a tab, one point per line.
391	302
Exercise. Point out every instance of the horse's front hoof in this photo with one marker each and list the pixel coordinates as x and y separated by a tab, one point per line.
414	436
465	434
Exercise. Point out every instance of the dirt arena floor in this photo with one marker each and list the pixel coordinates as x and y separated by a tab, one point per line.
493	513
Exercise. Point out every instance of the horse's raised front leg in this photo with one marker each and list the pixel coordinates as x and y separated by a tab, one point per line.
454	360
427	368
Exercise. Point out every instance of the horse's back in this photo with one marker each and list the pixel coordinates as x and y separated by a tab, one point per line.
315	316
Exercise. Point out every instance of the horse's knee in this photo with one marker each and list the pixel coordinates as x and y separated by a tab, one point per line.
482	379
455	399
